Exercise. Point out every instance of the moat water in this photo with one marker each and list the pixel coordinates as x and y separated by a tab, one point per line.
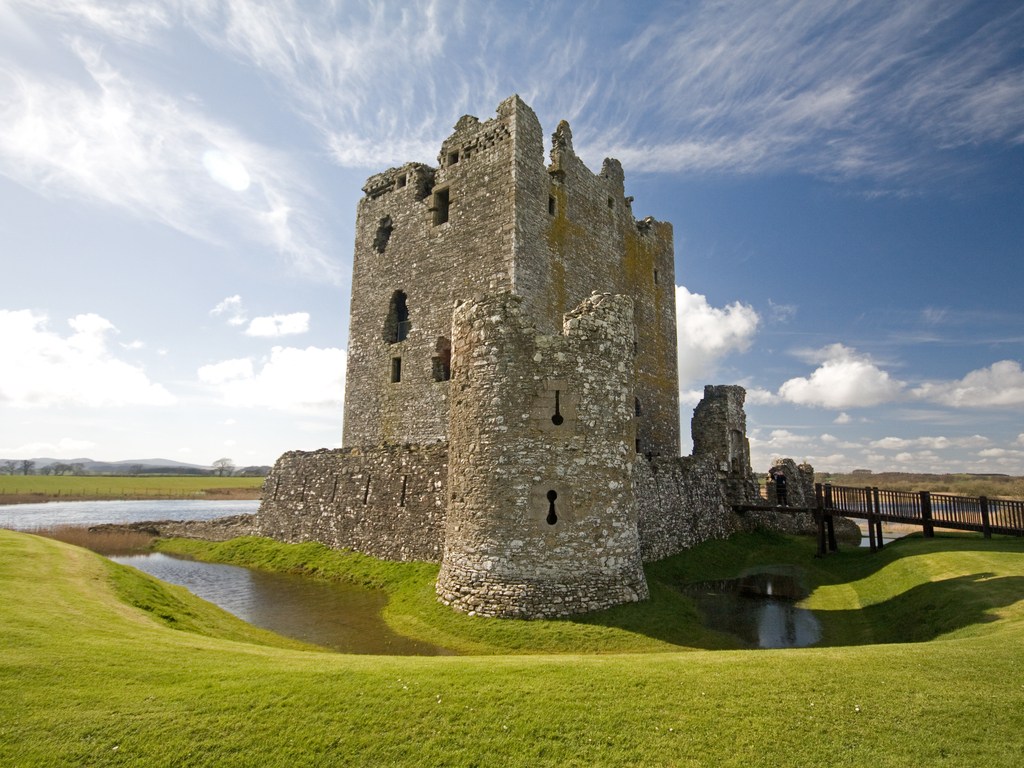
343	617
758	608
22	517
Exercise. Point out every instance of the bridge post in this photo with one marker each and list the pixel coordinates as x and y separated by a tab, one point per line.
985	525
878	516
926	514
870	515
819	519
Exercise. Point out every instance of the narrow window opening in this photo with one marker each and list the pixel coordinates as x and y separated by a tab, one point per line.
405	482
453	158
366	490
442	360
397	324
557	419
639	410
442	201
655	277
334	489
638	445
611	203
396	370
402	181
384	230
552	517
551	205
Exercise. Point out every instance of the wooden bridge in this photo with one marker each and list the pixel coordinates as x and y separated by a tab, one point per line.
928	510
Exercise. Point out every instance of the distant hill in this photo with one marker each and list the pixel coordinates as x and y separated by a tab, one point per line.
149	466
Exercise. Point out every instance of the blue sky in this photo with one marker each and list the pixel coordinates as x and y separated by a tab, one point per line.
178	183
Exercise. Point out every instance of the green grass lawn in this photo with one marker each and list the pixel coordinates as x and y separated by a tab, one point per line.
101	665
112	485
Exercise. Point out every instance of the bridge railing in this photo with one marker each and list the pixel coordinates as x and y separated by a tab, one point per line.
942	510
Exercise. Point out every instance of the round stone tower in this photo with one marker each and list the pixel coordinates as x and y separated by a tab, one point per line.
542	515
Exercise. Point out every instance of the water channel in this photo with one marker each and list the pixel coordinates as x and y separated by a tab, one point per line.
759	608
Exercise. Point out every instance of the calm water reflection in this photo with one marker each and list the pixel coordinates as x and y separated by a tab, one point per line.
343	617
759	608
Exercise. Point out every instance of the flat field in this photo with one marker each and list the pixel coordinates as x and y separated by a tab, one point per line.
15	489
102	665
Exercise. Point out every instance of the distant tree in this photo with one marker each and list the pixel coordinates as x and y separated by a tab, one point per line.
9	468
60	469
77	468
28	467
47	469
223	467
135	469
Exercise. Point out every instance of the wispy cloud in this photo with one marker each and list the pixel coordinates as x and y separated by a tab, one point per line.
852	88
122	143
279	325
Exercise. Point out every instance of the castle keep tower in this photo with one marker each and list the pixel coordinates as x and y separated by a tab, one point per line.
512	395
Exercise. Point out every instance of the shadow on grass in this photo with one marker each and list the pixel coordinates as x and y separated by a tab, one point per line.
930	610
919	614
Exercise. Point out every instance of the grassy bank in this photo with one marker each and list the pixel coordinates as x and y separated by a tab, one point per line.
22	489
94	674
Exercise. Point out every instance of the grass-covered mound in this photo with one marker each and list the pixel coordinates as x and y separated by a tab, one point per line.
913	590
93	674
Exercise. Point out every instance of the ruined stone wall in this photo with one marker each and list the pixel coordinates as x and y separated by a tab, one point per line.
542	518
388	502
719	431
681	504
401	245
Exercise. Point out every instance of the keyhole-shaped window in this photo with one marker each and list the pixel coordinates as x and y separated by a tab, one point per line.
552	517
557	419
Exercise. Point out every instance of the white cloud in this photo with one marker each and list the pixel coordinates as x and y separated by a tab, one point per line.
134	345
706	334
1020	440
999	386
292	378
127	144
827	438
279	325
842	418
998	453
42	369
779	438
758	396
65	448
845	379
232	305
934	443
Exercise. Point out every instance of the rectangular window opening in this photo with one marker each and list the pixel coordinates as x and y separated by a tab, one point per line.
453	158
442	201
396	370
366	490
405	482
611	203
551	205
638	445
655	277
401	181
442	371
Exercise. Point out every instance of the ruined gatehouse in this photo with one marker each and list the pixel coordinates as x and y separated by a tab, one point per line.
512	393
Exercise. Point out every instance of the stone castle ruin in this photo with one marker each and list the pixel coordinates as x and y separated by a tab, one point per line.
512	395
